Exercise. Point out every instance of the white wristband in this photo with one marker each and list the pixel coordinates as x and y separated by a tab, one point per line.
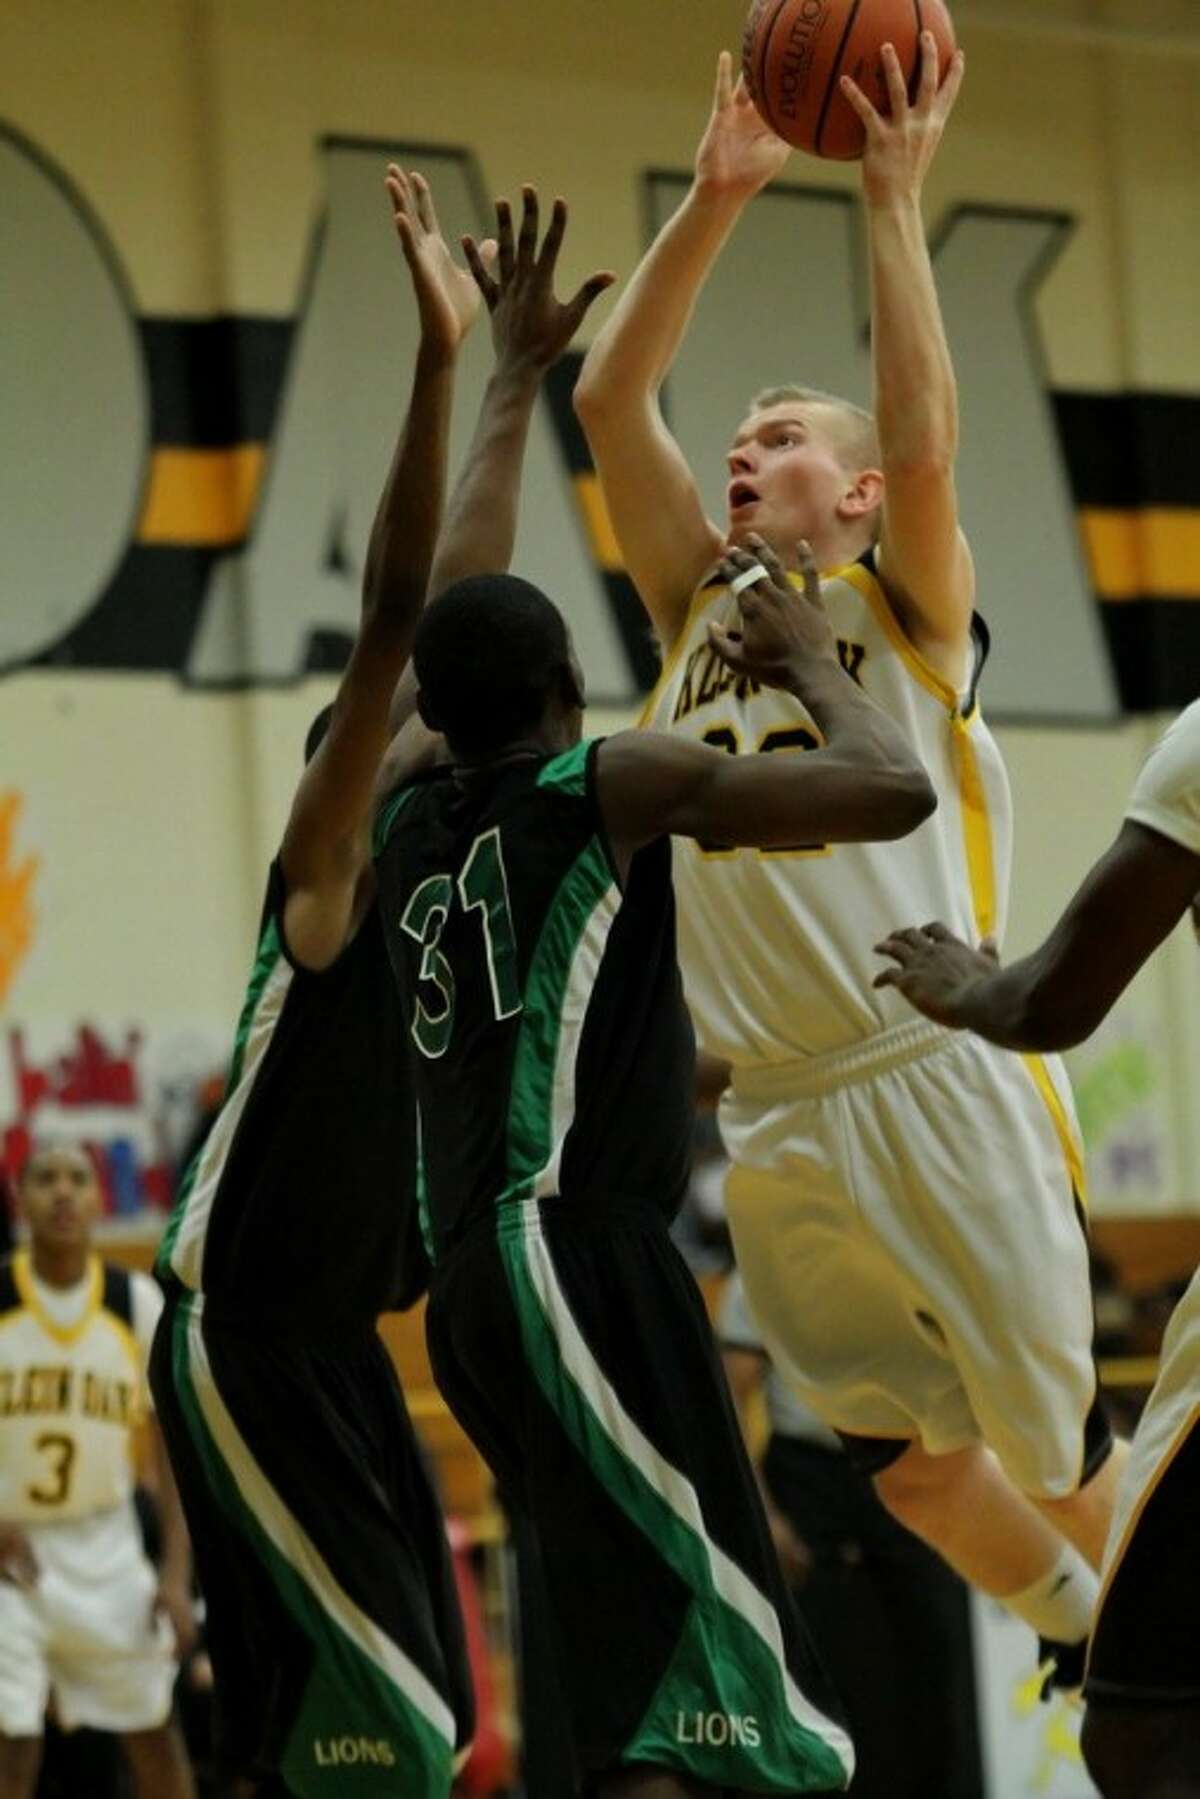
747	578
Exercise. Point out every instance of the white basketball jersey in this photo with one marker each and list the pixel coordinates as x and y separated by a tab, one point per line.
777	945
70	1398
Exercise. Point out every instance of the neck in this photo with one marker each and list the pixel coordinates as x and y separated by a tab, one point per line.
60	1267
548	740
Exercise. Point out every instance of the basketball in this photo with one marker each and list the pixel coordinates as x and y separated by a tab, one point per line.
795	51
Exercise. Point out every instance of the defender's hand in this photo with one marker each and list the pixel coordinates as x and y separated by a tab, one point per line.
780	627
901	146
739	153
447	295
18	1564
530	327
935	971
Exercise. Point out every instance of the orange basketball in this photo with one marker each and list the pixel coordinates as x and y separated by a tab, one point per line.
795	51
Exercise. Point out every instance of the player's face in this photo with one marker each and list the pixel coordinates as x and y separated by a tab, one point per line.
785	476
60	1197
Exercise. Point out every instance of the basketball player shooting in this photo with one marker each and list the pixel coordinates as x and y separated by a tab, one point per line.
904	1203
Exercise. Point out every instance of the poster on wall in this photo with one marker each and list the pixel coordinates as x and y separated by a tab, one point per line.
1121	1095
132	1094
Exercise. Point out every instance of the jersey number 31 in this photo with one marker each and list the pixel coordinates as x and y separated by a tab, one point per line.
482	887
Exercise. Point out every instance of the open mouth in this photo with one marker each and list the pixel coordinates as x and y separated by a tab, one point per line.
741	494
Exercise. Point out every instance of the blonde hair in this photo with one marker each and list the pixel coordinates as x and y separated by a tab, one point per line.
855	434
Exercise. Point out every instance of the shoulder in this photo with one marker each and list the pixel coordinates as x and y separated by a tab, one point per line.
1166	795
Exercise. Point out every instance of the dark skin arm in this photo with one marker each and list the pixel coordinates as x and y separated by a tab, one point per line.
530	330
326	847
1133	897
863	784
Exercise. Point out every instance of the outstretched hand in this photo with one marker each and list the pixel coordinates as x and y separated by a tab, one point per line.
739	153
530	327
780	627
935	970
447	295
902	144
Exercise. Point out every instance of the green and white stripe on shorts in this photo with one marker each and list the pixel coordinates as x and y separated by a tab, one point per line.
369	1722
730	1655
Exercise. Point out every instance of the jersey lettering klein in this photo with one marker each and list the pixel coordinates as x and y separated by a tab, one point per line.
777	945
70	1401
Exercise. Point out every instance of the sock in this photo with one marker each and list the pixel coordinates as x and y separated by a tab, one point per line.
1059	1605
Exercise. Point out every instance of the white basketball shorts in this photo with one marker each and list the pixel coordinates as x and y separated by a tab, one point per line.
86	1632
906	1217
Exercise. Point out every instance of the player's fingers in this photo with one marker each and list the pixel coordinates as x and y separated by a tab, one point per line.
504	237
893	75
552	243
948	92
527	242
990	948
862	106
810	573
399	196
424	200
724	87
899	946
889	978
728	645
587	294
937	931
930	72
763	553
483	281
488	251
408	243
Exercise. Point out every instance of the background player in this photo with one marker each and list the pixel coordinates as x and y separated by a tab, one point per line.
904	1215
333	1623
531	918
1142	1733
84	1618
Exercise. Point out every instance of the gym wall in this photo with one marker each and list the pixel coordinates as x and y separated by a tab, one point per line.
205	338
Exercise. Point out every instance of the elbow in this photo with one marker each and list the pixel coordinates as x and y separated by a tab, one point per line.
1047	1024
593	392
911	800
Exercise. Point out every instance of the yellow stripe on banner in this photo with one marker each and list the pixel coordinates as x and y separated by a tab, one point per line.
977	830
598	520
1155	550
201	497
1058	1117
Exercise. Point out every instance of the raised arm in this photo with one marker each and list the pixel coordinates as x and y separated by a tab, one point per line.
325	854
530	329
863	783
924	562
665	537
1137	892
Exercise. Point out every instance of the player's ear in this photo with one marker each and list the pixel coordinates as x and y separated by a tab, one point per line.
570	688
863	496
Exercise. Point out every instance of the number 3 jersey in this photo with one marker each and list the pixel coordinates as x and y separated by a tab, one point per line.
72	1389
777	946
552	1051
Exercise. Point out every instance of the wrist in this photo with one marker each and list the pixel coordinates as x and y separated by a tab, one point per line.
901	205
716	201
434	355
